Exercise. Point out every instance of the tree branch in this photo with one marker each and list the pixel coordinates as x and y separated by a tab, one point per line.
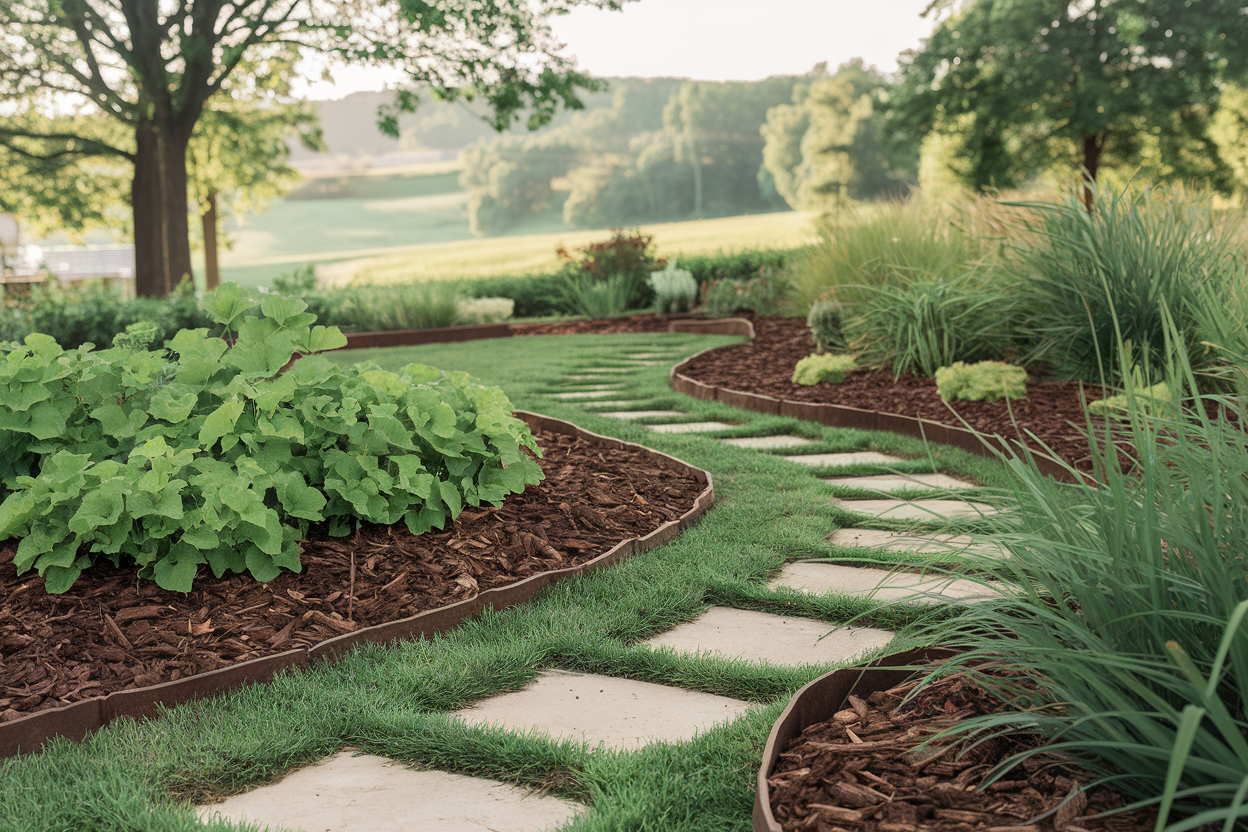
90	147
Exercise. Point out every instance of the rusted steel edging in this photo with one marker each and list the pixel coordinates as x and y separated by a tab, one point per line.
818	701
433	335
842	416
77	721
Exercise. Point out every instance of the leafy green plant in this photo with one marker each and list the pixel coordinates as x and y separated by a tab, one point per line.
211	455
921	326
627	258
825	326
586	295
298	282
767	294
816	368
984	381
674	289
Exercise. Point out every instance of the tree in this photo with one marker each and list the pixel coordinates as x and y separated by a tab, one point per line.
153	67
1052	81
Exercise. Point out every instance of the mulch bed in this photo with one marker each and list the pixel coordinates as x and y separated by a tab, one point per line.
1051	411
861	772
111	632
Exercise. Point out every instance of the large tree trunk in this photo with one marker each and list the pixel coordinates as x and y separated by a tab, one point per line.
1092	147
162	246
212	273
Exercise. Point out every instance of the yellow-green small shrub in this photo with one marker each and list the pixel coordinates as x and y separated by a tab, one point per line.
816	368
1156	399
984	381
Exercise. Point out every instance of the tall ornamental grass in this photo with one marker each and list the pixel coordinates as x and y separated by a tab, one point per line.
401	306
1127	608
1086	273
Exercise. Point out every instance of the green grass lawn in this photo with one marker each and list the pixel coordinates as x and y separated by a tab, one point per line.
393	701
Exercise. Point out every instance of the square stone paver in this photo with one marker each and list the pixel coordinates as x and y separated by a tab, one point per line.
583	377
774	639
610	369
914	542
843	459
880	584
783	440
373	794
888	483
609	403
917	509
621	713
691	427
642	356
584	394
643	414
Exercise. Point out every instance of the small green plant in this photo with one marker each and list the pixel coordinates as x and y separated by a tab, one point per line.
298	282
211	455
984	381
675	290
816	368
627	259
403	306
1157	398
766	294
593	298
824	321
485	310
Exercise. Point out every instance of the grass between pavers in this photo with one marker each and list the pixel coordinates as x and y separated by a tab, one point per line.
393	700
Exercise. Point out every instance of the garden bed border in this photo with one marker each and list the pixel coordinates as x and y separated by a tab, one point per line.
818	701
75	722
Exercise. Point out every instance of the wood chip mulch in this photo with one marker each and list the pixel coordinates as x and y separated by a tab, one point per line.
1051	411
862	772
112	632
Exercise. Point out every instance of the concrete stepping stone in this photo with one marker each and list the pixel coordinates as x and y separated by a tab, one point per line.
643	414
584	394
783	440
583	377
888	483
643	356
880	584
620	713
372	794
917	509
610	369
914	542
609	403
773	639
691	427
843	459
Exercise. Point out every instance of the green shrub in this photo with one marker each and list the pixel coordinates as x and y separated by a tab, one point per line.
741	265
674	289
211	455
1157	398
627	259
920	326
94	313
816	368
485	310
594	298
297	283
985	381
534	295
767	294
824	321
402	306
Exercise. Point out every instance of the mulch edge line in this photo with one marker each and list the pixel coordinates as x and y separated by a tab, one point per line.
842	416
75	722
818	701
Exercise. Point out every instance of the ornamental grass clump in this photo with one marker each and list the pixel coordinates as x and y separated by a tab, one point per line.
814	369
674	289
1126	609
984	381
208	454
824	321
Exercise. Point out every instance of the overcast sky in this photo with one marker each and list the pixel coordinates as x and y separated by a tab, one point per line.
716	39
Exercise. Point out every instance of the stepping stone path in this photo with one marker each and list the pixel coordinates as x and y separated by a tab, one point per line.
913	542
609	369
611	403
691	427
764	442
843	459
643	356
365	793
917	509
772	639
880	584
642	414
619	713
888	483
584	394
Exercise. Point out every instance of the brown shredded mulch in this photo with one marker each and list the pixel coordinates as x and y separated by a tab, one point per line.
112	632
862	772
1051	411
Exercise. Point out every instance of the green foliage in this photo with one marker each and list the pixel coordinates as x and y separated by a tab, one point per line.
1096	280
210	455
674	289
534	295
920	326
816	368
1157	399
824	321
402	306
298	282
594	298
767	294
740	265
485	310
626	260
984	381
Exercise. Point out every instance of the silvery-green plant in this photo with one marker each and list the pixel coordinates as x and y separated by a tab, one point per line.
675	290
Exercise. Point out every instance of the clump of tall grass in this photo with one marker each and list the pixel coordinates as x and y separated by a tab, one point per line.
1087	272
401	306
1128	607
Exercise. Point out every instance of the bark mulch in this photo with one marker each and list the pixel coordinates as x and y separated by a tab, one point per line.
1051	411
861	772
113	632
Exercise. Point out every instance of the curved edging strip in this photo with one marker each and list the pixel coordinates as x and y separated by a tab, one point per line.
817	702
433	335
842	416
75	722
